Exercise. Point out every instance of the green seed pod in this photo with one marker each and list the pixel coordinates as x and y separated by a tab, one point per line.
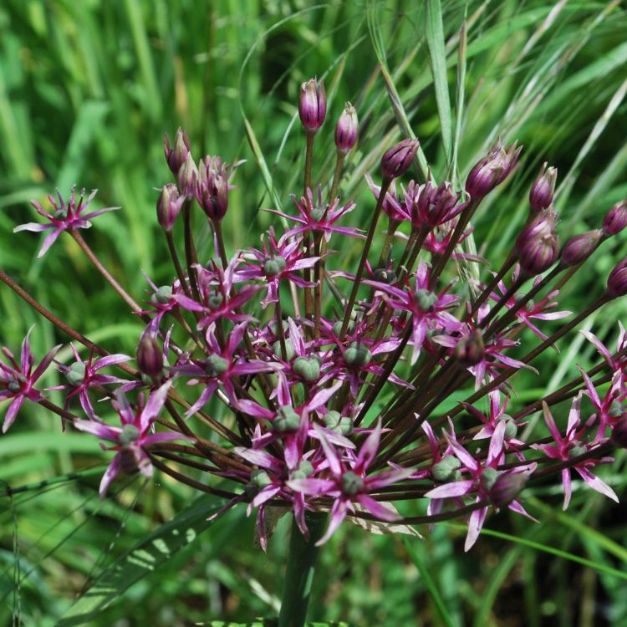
76	373
489	477
338	423
511	428
303	471
162	295
215	300
216	365
308	368
426	299
129	434
286	420
576	451
289	349
259	479
274	265
317	213
351	483
337	327
14	386
616	409
357	355
445	468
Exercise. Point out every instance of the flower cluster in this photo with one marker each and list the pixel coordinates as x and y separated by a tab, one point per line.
337	386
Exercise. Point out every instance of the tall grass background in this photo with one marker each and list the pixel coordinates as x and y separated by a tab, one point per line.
87	90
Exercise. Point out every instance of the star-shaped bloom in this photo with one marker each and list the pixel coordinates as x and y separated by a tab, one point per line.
66	216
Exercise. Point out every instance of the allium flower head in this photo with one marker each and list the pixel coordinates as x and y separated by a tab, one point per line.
65	216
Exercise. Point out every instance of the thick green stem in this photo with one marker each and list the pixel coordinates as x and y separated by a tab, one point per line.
301	565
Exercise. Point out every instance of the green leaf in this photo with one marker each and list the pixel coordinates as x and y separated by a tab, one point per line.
437	53
145	558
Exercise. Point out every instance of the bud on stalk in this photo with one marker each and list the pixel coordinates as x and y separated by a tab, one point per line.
616	218
346	129
312	105
537	245
396	161
541	192
176	156
577	249
492	170
149	356
169	206
617	281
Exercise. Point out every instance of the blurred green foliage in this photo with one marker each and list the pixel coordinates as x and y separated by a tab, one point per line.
88	88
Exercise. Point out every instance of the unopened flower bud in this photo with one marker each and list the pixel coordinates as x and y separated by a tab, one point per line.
471	350
346	129
506	487
445	468
286	420
187	177
149	356
176	156
396	161
312	105
212	189
169	206
619	431
617	281
541	192
616	218
308	368
351	483
492	170
538	245
357	355
578	248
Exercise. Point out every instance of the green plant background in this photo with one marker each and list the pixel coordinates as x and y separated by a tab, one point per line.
88	88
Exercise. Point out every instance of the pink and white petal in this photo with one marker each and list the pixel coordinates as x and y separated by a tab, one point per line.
99	429
34	227
574	416
258	458
475	523
329	452
311	487
338	513
567	485
516	506
496	443
265	495
596	484
110	360
251	408
379	510
113	470
452	489
49	240
154	405
322	396
157	438
369	448
11	414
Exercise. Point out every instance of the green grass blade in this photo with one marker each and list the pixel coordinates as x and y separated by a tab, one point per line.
435	42
143	559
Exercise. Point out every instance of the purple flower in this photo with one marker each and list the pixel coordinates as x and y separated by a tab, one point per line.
492	170
346	129
541	192
17	381
349	484
66	216
83	375
564	447
312	105
134	437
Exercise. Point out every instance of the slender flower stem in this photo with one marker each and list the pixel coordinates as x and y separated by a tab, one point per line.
337	176
190	249
124	295
385	185
514	287
46	313
301	565
279	327
308	161
177	263
217	225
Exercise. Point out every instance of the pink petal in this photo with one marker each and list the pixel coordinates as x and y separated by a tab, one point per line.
477	518
449	490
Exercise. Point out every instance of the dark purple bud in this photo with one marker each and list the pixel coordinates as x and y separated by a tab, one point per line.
492	170
149	356
212	191
346	129
396	161
538	245
176	156
616	219
169	206
506	487
541	192
617	281
312	105
470	350
619	431
577	249
187	177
